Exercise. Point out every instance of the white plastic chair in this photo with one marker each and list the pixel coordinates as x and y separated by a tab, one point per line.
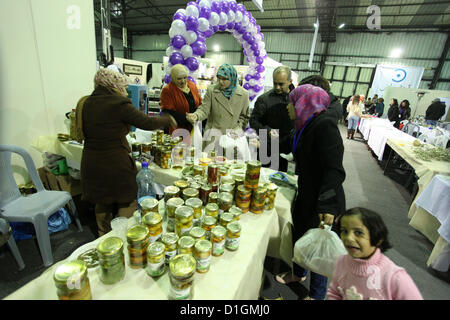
35	208
5	230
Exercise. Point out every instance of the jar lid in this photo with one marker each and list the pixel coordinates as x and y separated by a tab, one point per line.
203	246
212	207
171	190
194	202
234	227
213	195
137	233
184	212
175	202
152	218
226	216
197	232
71	271
218	231
272	187
209	220
254	164
149	203
169	238
110	246
261	190
194	185
225	197
186	242
198	167
236	211
182	265
227	180
243	189
206	187
227	187
156	248
212	166
181	184
190	192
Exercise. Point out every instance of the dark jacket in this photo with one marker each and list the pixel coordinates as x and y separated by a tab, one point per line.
393	113
379	109
335	108
404	113
108	173
318	158
435	111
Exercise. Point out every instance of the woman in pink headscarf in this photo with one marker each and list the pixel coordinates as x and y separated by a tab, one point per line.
318	151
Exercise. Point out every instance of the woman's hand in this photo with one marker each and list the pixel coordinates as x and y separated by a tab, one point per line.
191	117
325	218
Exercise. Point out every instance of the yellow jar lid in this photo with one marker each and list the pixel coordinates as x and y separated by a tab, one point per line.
234	227
181	184
182	265
212	207
186	242
203	246
184	212
194	202
70	271
197	232
175	202
169	238
110	246
137	233
171	190
218	231
156	248
152	218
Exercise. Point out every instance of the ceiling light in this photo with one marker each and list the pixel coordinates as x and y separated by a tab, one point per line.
216	47
396	53
342	25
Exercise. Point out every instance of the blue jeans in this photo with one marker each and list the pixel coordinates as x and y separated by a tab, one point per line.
353	122
317	285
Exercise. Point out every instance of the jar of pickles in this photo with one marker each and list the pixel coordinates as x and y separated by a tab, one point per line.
171	205
111	260
170	240
186	245
202	254
178	156
213	171
196	204
243	199
72	281
236	212
227	187
208	222
252	174
225	201
204	192
198	233
198	170
182	184
181	274
184	216
258	200
166	155
149	205
271	195
213	196
171	192
153	222
223	171
137	238
212	209
225	219
159	136
218	234
146	150
233	236
156	259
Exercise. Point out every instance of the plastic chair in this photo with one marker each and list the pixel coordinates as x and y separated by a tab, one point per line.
5	230
35	208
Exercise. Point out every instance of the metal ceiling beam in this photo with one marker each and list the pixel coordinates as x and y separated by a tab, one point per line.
437	72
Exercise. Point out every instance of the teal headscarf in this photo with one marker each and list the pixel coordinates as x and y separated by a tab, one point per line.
228	71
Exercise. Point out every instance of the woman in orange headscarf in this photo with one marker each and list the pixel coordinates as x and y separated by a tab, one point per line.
180	96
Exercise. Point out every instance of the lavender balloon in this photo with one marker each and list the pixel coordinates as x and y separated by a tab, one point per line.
167	78
240	7
246	86
260	68
233	6
191	23
259	60
191	79
198	48
191	63
215	7
178	41
225	6
176	58
205	12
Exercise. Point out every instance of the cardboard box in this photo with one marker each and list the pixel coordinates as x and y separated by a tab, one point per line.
60	182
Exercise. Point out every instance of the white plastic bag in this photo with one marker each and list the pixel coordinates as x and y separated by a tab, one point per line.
196	135
318	251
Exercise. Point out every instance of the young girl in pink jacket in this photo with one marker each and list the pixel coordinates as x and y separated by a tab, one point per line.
366	273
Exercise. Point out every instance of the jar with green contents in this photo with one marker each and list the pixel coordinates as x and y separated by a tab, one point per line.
111	260
202	254
184	220
218	234
171	205
170	241
156	259
149	205
181	274
153	222
236	212
198	233
243	199
212	209
208	222
258	200
225	201
213	196
72	281
225	219
196	204
186	245
233	236
171	192
271	196
252	174
137	238
227	187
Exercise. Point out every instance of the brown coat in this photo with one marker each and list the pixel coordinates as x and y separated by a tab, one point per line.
108	173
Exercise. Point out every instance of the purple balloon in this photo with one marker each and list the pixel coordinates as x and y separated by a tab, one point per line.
247	59
191	63
208	33
215	28
205	12
247	86
248	77
260	68
240	7
233	6
167	78
201	38
178	41
230	25
258	60
191	23
198	48
252	97
254	46
248	14
257	88
191	79
215	7
246	36
179	16
252	20
225	7
257	76
176	58
251	40
258	28
223	27
256	53
262	35
237	26
192	3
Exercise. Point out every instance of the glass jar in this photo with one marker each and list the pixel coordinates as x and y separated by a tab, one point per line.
233	236
186	245
146	150
171	192
204	192
171	205
202	254
225	201
236	212
243	199
182	184
227	187
218	234
190	193
149	205
213	171
258	200
153	222
111	260
177	156
252	174
208	222
213	196
184	220
136	150
181	274
196	204
204	162
225	219
72	281
159	136
170	240
137	238
271	195
156	259
212	209
198	233
195	185
198	170
166	154
227	180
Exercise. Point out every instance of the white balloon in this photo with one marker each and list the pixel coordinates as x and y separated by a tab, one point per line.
262	52
223	18
172	32
214	19
178	27
252	64
169	51
258	37
238	16
203	24
192	11
261	45
186	51
169	68
190	37
183	11
231	16
251	92
204	3
245	21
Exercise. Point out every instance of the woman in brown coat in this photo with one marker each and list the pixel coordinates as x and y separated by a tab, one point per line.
108	173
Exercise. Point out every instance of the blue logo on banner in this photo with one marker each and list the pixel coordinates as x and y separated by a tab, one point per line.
399	75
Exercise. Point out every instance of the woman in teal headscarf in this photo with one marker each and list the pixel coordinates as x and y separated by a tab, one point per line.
228	79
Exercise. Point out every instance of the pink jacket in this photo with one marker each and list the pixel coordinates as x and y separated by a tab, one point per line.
377	278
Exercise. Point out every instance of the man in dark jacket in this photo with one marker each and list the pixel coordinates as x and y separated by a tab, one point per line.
435	111
270	113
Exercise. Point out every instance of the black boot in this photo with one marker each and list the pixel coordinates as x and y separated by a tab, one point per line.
349	131
352	133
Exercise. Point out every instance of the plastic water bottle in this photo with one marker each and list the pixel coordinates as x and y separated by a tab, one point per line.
144	180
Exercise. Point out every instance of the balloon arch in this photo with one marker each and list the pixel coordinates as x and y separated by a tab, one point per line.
200	20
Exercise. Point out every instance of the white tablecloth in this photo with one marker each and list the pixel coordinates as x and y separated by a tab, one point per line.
379	136
366	124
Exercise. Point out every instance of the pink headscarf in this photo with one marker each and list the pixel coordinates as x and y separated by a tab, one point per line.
308	100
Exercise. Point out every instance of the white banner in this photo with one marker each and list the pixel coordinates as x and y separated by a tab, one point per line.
395	76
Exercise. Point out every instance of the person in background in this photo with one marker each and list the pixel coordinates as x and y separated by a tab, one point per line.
434	112
318	152
180	97
366	273
394	112
108	173
404	111
225	105
354	113
344	109
270	113
379	108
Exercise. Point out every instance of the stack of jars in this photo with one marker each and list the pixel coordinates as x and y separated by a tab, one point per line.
149	205
243	198
171	206
137	238
259	200
153	222
252	174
